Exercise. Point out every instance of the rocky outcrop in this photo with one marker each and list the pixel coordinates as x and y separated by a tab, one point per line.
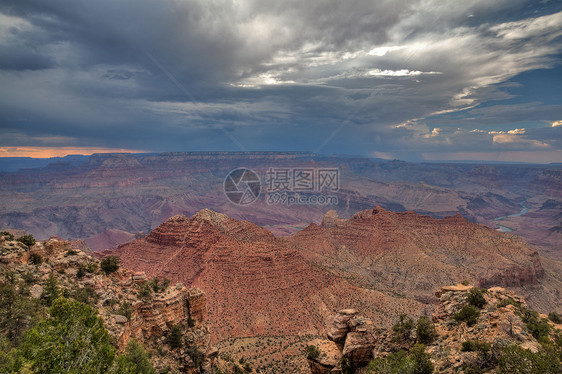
498	324
150	316
354	338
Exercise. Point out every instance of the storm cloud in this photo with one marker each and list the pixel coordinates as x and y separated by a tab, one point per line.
404	79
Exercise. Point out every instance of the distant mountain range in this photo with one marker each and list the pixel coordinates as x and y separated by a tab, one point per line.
109	198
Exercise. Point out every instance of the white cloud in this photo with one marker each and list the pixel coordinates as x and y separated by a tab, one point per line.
398	73
381	51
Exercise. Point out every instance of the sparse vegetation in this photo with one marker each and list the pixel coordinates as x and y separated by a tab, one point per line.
35	258
159	286
134	360
514	359
145	291
28	240
538	327
416	362
175	336
126	310
7	235
110	264
555	317
468	313
312	352
70	252
425	330
476	297
403	328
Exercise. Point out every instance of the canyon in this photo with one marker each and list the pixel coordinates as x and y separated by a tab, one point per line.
380	262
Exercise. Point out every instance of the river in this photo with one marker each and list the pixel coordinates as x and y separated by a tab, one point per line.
523	210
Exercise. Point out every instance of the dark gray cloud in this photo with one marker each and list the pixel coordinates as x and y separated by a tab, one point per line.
214	74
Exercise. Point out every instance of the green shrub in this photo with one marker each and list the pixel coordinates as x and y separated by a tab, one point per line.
92	267
145	291
110	264
403	328
190	322
516	360
196	356
134	360
417	362
70	252
81	272
175	336
422	360
468	346
28	240
35	258
125	309
7	234
538	327
468	314
312	352
554	317
159	286
18	311
508	301
425	330
72	339
476	297
86	295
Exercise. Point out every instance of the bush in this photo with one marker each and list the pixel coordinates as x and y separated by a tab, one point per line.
35	258
134	360
70	252
538	327
508	301
196	356
7	234
475	346
175	336
126	310
554	317
145	291
403	328
86	295
159	286
417	362
92	267
81	272
476	297
425	330
312	352
28	240
468	314
516	360
110	264
422	360
72	339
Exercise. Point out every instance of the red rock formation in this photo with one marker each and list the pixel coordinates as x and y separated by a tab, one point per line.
260	284
412	254
255	283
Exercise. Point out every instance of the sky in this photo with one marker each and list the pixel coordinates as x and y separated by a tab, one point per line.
411	80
